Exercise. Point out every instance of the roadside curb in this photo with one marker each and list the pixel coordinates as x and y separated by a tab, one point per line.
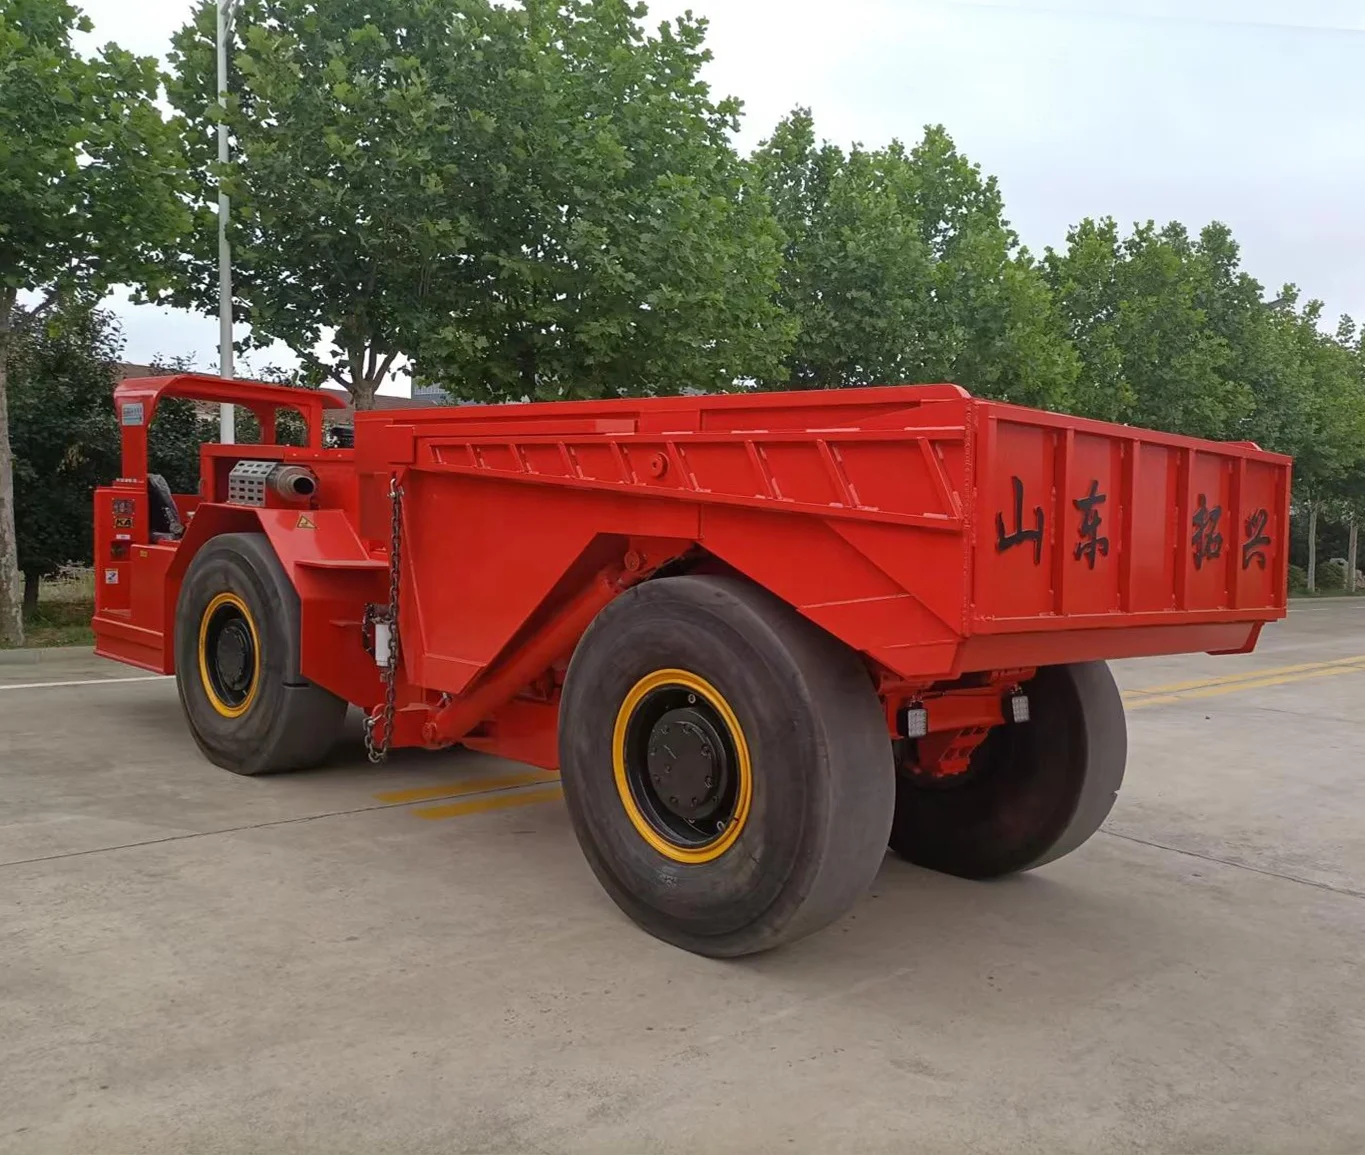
42	654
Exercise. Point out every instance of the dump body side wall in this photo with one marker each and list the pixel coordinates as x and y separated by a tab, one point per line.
877	513
857	522
1086	525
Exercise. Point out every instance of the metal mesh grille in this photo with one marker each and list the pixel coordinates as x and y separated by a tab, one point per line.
246	482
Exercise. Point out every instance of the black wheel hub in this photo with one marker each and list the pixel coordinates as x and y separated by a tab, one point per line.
681	766
687	764
231	651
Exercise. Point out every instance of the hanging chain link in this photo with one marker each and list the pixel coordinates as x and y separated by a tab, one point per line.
378	751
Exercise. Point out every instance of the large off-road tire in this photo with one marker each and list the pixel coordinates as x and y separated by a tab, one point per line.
237	662
726	763
1033	792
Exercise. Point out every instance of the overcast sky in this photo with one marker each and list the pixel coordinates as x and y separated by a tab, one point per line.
1247	111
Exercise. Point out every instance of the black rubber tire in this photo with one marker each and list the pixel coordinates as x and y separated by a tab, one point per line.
1033	792
291	724
823	773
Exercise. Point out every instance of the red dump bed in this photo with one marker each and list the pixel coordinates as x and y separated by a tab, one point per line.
935	532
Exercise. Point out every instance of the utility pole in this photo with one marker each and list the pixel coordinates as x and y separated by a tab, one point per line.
226	417
1352	554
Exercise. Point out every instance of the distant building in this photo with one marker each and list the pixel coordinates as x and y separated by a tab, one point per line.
431	395
127	369
381	401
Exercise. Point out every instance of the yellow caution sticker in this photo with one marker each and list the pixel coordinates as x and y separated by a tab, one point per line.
305	522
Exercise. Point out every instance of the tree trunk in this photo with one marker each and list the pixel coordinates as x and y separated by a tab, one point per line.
31	583
1313	547
368	369
362	395
1351	557
11	604
526	369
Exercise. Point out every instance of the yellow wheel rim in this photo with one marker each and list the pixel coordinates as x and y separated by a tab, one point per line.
698	688
233	608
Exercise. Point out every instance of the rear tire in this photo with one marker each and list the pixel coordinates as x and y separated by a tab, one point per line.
1033	792
237	662
777	728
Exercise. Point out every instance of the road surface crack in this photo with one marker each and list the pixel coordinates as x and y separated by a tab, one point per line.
1346	890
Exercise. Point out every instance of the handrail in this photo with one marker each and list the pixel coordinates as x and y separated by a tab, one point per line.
136	400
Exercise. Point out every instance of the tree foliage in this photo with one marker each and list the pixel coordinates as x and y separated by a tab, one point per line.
64	367
90	177
1136	309
65	441
530	201
899	266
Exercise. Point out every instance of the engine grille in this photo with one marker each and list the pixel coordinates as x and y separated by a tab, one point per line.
247	481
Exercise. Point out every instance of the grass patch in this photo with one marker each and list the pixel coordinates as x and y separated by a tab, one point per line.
71	585
60	623
65	605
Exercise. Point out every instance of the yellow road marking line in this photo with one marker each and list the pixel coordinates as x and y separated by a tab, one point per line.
502	792
1236	687
1246	676
469	786
501	801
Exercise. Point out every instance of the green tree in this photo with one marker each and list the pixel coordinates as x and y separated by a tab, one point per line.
526	201
64	438
1138	310
1325	430
90	177
899	266
63	369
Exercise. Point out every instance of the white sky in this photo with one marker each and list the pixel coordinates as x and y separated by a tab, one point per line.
1247	111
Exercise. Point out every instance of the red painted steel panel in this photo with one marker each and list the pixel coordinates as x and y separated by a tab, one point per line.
1103	526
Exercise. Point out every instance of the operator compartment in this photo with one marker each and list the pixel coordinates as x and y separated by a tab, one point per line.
140	523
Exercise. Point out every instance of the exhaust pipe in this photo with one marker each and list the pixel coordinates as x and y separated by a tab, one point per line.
294	482
251	477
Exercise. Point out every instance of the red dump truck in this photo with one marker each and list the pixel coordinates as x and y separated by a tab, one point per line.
761	637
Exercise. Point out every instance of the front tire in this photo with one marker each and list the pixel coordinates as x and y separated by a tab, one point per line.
1033	792
237	662
726	764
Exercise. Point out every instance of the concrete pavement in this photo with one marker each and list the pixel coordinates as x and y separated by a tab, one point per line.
417	959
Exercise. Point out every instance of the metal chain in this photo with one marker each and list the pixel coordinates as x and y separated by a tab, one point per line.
378	751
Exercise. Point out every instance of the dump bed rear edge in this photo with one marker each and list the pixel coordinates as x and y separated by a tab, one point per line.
1082	524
